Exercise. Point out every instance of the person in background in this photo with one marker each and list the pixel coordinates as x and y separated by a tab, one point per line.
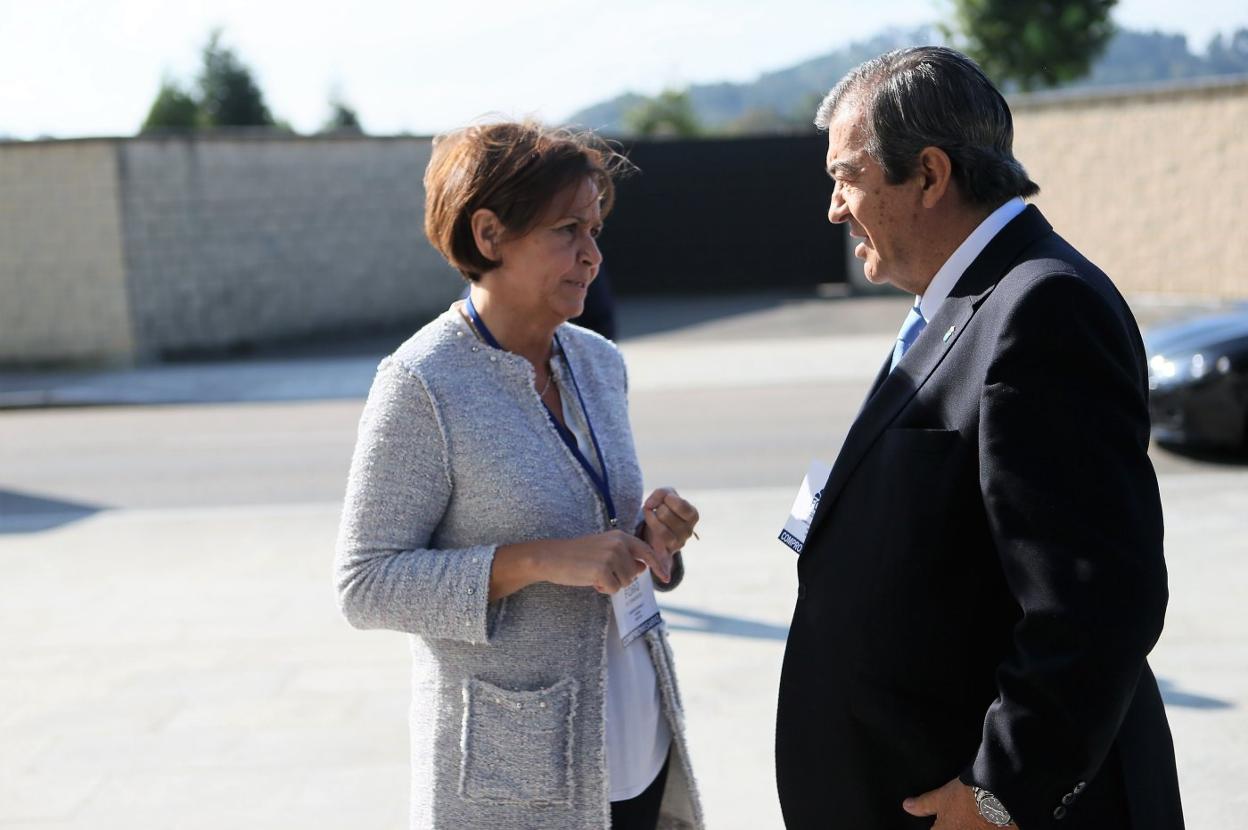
599	313
494	509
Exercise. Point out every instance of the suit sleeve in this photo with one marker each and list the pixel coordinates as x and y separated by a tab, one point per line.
387	576
1075	515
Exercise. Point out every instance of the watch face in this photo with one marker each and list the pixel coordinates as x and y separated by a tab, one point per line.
992	809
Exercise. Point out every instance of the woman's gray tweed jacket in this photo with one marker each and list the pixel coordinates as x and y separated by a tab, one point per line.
455	456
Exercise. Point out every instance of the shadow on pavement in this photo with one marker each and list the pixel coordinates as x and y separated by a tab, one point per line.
689	619
1173	696
22	513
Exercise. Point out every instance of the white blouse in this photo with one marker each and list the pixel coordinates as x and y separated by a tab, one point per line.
638	737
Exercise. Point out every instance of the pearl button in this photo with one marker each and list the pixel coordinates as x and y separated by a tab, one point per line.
475	349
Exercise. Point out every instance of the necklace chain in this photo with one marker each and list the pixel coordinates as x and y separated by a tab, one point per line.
550	374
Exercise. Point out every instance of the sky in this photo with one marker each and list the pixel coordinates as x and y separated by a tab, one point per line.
72	68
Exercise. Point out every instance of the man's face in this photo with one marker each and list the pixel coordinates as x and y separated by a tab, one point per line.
882	215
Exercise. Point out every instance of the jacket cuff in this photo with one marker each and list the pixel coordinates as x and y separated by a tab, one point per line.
1038	805
466	612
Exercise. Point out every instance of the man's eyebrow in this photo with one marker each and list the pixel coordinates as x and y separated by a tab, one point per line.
844	169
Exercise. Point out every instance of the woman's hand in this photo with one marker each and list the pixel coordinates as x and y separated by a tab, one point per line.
605	562
669	521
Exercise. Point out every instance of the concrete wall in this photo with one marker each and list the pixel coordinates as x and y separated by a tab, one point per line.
233	242
1150	185
62	279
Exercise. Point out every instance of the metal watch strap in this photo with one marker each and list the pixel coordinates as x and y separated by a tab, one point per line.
990	808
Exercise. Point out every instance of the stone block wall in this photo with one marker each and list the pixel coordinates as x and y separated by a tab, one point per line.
62	277
234	242
131	250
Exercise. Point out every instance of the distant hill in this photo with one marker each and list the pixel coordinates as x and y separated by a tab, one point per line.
785	100
788	96
1147	57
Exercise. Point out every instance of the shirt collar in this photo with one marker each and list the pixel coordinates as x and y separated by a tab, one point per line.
949	274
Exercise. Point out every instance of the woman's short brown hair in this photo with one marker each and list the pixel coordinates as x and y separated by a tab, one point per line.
516	170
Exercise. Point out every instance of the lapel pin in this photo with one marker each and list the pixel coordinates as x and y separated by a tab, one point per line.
949	334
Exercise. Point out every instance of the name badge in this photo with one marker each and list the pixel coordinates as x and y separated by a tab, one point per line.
797	525
636	609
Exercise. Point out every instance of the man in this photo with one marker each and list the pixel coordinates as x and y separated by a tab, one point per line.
983	577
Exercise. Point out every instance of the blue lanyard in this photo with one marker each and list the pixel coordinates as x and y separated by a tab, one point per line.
602	483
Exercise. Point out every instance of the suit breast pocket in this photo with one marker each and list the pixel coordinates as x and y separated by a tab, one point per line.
910	440
920	478
920	458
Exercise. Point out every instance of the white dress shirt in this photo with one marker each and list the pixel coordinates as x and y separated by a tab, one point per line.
947	277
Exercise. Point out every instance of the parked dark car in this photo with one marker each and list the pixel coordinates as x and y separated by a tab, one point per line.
1198	381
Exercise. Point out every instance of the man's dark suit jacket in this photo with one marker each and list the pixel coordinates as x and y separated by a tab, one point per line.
983	578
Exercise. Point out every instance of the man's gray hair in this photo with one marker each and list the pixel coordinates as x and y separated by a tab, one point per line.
931	96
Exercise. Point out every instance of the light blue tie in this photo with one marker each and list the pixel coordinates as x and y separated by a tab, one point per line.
910	331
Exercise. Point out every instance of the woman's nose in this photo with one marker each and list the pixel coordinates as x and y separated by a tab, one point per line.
591	254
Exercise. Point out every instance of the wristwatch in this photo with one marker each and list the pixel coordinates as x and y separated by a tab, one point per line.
990	807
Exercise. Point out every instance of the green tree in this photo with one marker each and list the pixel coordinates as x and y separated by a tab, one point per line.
173	109
670	115
228	94
758	121
342	117
1032	44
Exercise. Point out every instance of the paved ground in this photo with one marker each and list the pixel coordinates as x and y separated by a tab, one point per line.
173	658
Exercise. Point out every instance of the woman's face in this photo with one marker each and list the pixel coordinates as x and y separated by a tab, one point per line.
546	272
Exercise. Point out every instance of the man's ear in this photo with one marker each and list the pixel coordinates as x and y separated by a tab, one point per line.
936	172
487	232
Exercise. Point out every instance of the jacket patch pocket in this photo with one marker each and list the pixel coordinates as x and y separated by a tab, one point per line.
517	745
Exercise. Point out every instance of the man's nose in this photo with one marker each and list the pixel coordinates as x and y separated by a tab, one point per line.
837	210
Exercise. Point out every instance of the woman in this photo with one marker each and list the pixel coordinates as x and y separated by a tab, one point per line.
495	505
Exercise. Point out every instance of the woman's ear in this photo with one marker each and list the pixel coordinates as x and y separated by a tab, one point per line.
487	232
